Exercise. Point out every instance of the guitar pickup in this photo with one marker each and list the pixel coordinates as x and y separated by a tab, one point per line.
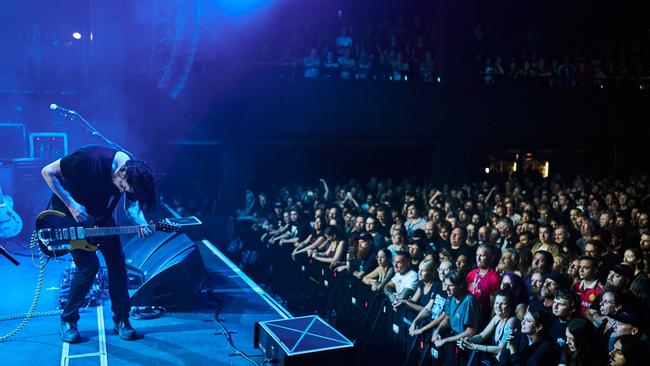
73	233
81	233
66	234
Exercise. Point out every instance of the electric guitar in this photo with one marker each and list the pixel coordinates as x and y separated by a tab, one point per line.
10	223
58	234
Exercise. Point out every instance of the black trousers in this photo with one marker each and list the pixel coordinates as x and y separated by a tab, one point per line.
87	264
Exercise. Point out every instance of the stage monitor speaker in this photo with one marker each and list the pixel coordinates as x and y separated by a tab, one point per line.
138	250
173	274
306	340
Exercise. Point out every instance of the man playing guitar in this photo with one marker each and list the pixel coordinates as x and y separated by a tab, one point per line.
87	185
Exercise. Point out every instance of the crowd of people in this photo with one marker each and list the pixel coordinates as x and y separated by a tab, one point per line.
403	49
397	49
537	57
530	271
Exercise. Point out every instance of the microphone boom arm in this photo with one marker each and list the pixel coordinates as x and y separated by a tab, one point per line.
83	122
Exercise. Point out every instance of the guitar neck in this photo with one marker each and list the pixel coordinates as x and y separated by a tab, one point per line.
117	230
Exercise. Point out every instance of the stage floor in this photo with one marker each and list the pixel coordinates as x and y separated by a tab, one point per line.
187	338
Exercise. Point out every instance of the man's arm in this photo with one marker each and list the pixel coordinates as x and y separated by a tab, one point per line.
134	212
52	175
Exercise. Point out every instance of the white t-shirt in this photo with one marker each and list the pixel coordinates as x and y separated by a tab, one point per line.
409	280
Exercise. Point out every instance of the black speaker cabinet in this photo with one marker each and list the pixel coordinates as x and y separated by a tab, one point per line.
173	272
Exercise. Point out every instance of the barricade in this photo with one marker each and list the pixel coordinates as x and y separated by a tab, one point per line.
379	332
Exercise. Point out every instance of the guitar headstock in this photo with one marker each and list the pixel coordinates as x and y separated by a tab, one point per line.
167	227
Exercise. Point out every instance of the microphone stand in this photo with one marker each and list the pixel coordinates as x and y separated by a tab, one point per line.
93	131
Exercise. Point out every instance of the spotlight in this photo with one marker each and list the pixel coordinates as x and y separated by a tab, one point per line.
439	79
76	35
487	170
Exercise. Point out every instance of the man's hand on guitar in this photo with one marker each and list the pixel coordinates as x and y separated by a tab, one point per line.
78	211
145	232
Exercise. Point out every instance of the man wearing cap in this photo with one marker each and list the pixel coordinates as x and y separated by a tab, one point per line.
366	254
619	277
627	322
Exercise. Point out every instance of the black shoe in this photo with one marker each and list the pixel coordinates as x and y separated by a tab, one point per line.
125	330
69	332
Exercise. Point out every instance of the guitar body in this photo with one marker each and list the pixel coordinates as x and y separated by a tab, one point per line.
50	223
10	223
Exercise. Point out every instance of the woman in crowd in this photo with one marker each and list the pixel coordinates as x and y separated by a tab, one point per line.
398	239
572	272
424	291
502	324
382	273
335	247
585	344
463	263
315	239
516	285
436	304
532	347
628	351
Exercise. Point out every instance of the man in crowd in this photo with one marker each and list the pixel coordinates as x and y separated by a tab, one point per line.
405	281
483	281
589	287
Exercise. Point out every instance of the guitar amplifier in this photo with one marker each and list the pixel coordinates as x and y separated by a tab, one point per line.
306	340
12	141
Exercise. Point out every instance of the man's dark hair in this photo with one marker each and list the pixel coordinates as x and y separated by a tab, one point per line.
403	253
588	258
633	349
548	259
566	294
419	234
140	177
457	278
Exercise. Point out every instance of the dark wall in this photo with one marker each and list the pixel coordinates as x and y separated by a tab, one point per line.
276	130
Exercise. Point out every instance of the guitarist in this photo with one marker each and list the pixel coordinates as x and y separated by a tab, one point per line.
87	185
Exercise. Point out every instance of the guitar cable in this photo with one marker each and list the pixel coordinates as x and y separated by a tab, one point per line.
37	295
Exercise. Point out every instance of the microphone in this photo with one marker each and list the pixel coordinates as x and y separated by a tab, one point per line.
55	107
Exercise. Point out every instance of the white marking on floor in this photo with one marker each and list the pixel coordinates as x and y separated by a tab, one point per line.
101	330
263	294
65	351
